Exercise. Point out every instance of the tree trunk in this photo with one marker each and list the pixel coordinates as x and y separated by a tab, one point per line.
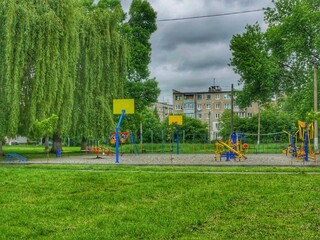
46	144
84	143
56	143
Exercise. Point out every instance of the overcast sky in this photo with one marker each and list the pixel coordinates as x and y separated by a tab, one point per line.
187	55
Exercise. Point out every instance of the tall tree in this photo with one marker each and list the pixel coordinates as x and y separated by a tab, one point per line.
252	61
102	70
294	39
39	45
289	51
141	25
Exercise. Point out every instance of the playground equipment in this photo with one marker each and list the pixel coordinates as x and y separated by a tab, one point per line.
234	150
304	134
121	106
292	148
11	157
124	137
176	120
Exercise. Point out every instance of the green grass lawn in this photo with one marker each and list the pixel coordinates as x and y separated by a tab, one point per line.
127	202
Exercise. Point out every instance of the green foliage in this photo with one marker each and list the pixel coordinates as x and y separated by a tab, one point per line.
40	49
273	119
252	61
71	58
151	126
141	25
144	92
102	71
193	130
44	128
281	60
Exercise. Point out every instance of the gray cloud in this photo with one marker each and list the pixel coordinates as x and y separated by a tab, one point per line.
187	55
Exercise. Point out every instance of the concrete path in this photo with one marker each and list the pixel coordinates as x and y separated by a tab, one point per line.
181	159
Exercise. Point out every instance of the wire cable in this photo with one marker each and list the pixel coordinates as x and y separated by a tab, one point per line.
208	16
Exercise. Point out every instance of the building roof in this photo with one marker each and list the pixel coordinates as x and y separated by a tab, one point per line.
212	89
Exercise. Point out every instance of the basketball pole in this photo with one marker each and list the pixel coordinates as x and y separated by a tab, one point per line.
117	135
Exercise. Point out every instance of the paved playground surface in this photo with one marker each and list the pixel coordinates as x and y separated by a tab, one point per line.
181	159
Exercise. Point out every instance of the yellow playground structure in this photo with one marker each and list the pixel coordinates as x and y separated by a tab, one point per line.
304	134
233	150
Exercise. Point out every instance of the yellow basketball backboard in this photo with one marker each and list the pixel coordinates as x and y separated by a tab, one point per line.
175	119
123	104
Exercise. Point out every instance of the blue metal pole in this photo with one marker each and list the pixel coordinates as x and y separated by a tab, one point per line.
117	135
306	147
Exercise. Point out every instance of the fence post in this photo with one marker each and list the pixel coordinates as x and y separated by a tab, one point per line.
162	134
152	141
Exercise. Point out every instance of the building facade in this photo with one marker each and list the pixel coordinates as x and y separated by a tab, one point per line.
208	107
163	109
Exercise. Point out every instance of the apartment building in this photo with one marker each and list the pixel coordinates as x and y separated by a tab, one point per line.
163	109
208	107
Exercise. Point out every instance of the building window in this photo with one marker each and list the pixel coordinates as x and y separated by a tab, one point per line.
217	105
241	114
199	97
208	106
227	106
178	98
227	96
188	106
188	97
208	116
249	115
199	115
217	97
178	107
190	115
208	97
217	115
217	125
199	106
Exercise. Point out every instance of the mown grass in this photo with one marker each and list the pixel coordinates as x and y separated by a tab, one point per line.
127	202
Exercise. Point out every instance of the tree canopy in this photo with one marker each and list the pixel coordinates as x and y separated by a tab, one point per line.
39	45
71	59
101	71
141	25
281	59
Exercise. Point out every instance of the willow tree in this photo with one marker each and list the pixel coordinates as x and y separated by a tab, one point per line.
39	45
12	17
102	71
